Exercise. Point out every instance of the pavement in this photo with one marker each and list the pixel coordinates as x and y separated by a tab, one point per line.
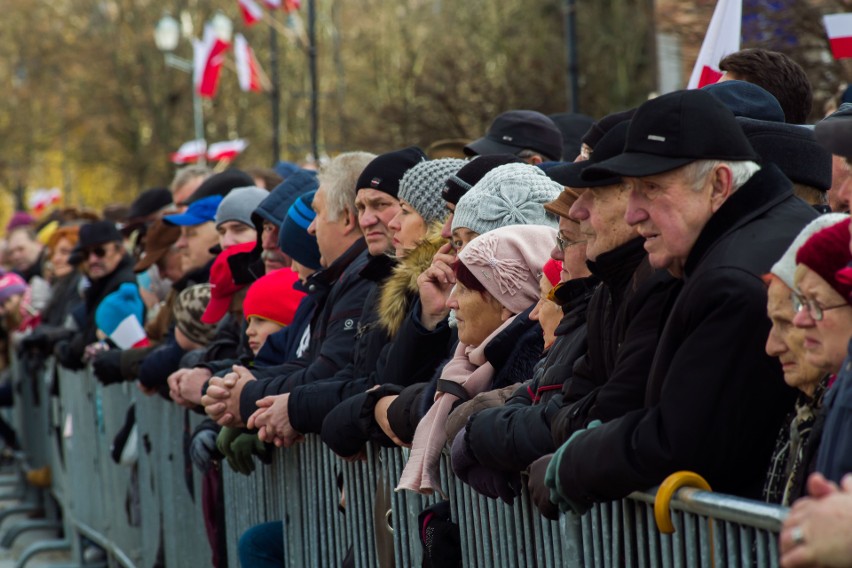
9	557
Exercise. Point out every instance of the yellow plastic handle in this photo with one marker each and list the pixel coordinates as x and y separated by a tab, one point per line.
662	502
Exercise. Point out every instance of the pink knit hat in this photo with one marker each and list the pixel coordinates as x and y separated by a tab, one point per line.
509	262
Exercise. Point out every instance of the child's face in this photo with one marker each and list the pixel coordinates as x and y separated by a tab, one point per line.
258	330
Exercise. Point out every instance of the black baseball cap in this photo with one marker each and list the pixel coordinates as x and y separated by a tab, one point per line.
611	145
517	130
834	132
674	130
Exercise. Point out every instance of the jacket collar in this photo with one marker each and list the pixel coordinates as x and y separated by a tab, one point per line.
328	276
764	190
616	267
378	268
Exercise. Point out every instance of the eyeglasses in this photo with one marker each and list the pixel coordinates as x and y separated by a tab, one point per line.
814	309
563	243
99	252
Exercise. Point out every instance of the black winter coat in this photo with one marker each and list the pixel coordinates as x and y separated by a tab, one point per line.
69	352
340	291
714	399
511	436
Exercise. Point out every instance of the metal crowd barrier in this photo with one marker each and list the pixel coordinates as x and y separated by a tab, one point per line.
332	509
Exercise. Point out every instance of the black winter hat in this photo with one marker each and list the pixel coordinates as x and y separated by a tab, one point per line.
469	175
834	132
385	171
516	130
149	202
98	233
573	126
611	145
220	184
793	149
674	130
747	100
602	126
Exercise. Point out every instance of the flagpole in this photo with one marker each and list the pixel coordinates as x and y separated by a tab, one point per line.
198	118
274	95
312	64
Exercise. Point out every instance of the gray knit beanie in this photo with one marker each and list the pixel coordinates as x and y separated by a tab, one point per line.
785	268
513	194
421	187
239	204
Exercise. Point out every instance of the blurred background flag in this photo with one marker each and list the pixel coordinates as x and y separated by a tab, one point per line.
838	27
721	39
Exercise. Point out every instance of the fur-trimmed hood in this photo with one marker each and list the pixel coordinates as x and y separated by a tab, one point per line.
401	287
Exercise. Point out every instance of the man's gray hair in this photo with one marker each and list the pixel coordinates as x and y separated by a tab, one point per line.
741	172
188	173
338	179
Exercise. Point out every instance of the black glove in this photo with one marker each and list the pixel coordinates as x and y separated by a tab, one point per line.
202	448
107	367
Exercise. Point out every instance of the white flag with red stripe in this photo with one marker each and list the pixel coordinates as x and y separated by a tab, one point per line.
209	55
838	27
41	199
722	38
252	12
247	67
273	4
226	150
189	152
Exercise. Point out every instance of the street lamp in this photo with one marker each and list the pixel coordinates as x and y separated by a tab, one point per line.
166	37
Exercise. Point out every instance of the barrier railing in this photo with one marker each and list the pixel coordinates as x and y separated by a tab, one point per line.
333	509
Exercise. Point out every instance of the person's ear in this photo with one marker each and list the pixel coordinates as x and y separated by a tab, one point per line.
721	180
350	222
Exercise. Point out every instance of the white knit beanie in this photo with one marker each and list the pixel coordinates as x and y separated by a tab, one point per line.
785	268
513	194
421	187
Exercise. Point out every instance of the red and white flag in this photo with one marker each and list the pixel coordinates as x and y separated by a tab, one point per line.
41	199
838	27
252	12
226	150
722	38
247	67
209	54
189	152
272	4
292	5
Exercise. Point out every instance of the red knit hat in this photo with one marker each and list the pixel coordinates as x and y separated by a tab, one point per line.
553	271
222	286
272	297
826	253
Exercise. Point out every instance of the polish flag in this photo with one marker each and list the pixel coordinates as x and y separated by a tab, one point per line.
252	12
247	66
722	38
272	4
129	334
226	150
189	152
209	54
838	27
292	5
41	199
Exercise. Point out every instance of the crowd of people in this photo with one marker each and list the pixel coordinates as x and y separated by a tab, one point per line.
572	306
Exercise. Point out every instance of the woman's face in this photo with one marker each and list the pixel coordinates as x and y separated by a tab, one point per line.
787	342
478	314
408	228
59	258
258	330
548	313
825	341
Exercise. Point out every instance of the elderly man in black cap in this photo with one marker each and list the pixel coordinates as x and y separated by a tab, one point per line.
717	220
107	265
834	132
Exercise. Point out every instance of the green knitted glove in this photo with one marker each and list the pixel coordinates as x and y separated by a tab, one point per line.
551	477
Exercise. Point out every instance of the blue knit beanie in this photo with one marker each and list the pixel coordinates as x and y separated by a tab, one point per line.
294	239
123	304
